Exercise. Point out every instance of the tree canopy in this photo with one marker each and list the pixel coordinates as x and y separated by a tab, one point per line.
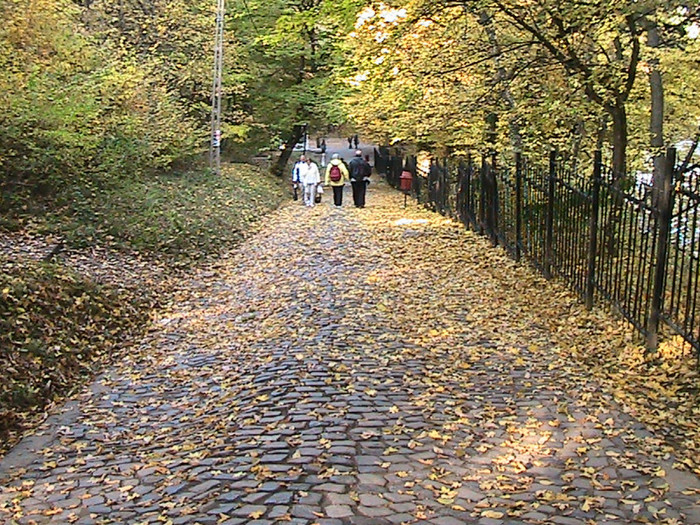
553	73
104	87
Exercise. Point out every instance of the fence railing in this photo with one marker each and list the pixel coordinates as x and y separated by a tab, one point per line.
626	242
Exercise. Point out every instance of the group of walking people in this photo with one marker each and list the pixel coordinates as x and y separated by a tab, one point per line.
306	175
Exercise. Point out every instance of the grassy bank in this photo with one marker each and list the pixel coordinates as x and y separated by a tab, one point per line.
58	326
56	329
189	215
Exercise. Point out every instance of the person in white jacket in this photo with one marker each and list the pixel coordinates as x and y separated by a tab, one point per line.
310	178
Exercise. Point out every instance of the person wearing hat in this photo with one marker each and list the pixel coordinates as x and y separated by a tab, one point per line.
336	177
360	171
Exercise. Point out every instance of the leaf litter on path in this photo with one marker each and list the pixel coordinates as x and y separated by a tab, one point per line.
379	363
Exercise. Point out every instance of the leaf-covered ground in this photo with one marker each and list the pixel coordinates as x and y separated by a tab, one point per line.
359	366
56	328
61	322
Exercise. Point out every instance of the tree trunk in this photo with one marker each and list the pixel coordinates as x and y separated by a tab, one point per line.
278	167
502	76
577	136
656	124
618	112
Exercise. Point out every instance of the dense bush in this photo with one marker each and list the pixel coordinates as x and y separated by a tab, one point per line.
73	112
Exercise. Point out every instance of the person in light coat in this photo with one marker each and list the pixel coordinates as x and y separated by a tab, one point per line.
336	177
310	178
299	166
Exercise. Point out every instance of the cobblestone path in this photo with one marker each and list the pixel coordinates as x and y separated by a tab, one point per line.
349	366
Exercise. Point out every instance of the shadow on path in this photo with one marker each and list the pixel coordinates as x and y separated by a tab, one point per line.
349	366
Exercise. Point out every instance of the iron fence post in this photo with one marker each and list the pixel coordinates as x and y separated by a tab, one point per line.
593	229
468	196
665	209
549	232
482	195
518	204
494	198
448	189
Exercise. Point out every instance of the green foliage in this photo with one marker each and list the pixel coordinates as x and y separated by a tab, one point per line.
290	50
556	74
187	215
74	110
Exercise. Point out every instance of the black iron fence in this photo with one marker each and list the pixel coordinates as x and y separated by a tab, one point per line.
623	241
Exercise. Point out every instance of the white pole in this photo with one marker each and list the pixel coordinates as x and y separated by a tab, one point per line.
216	95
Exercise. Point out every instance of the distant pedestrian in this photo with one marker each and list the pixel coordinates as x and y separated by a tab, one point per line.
323	153
360	171
356	140
349	142
310	178
296	176
336	177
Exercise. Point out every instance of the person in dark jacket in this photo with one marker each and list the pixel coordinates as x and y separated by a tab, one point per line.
360	172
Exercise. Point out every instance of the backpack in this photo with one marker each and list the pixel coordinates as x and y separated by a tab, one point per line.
335	173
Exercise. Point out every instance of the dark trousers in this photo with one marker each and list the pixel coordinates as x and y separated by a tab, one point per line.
338	195
358	193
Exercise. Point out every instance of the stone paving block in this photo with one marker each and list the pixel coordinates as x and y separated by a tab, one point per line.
247	510
279	511
447	520
306	511
372	500
338	511
279	498
331	487
371	479
365	520
566	520
313	498
374	512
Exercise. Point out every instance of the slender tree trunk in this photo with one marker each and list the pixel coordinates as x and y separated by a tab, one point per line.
618	112
578	134
602	131
656	124
279	167
502	77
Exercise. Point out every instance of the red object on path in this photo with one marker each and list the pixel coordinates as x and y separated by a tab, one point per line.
406	180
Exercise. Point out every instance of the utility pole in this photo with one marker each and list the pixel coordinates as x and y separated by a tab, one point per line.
215	148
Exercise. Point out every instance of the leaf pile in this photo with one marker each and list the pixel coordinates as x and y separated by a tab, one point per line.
661	389
56	328
61	322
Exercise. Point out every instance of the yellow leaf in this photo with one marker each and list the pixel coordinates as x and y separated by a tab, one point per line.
492	514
